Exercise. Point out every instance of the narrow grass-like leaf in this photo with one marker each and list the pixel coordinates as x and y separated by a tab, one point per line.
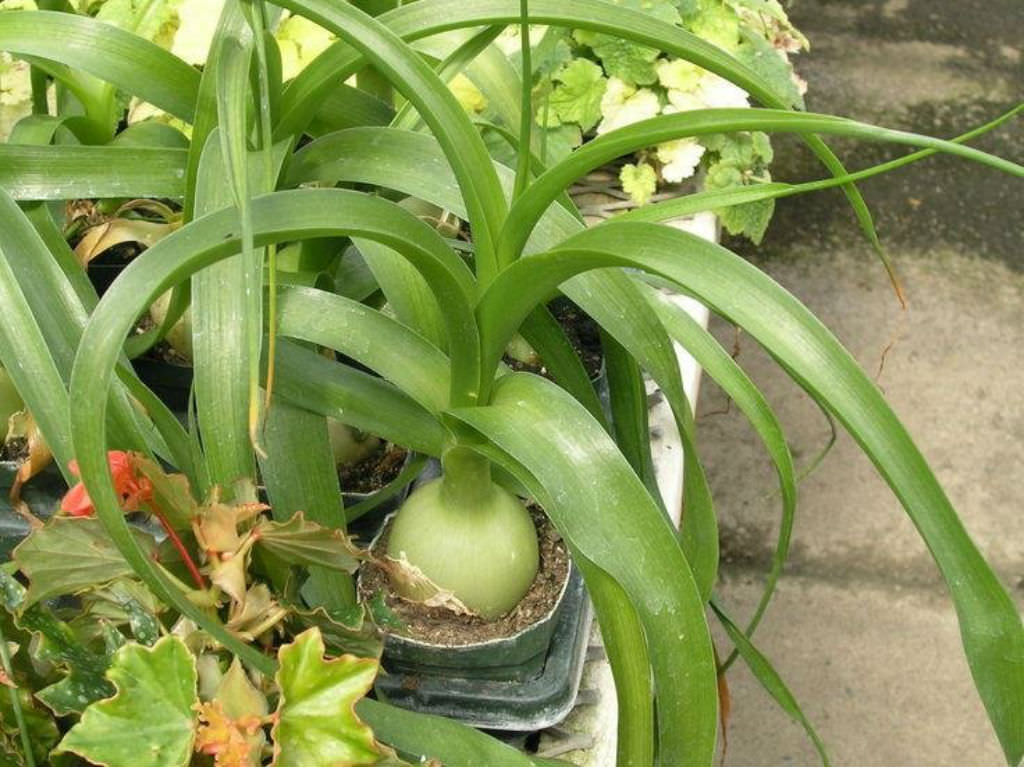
376	155
525	102
407	118
367	154
628	404
545	335
348	107
230	24
150	133
241	305
428	17
281	216
622	635
613	301
722	198
77	297
407	293
58	311
769	678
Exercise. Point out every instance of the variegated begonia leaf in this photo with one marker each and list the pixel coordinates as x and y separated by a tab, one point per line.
315	722
151	720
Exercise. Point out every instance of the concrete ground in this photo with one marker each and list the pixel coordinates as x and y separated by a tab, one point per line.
862	629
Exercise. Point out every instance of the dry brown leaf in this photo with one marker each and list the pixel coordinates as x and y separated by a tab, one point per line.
104	236
412	581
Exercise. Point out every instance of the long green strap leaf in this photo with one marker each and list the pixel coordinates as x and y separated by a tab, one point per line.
428	17
528	209
720	366
426	738
358	399
300	475
413	21
627	399
281	216
407	294
414	78
990	626
60	314
721	198
348	107
67	172
238	307
453	64
618	307
369	155
131	63
397	353
219	340
629	657
412	163
61	297
579	470
545	335
230	24
24	355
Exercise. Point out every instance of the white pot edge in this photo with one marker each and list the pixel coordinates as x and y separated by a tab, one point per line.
595	718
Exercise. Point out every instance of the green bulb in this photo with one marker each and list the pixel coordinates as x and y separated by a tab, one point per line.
473	539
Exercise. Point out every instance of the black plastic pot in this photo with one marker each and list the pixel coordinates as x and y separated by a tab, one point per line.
521	683
171	383
534	694
42	494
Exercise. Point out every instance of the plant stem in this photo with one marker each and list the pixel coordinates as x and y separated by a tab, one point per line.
525	102
179	545
19	716
466	482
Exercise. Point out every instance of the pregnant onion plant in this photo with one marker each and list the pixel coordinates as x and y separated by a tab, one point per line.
265	163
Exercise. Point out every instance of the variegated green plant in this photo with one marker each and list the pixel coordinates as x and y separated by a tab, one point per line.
248	178
589	83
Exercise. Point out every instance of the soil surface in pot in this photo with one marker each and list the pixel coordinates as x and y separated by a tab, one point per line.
442	627
583	333
375	471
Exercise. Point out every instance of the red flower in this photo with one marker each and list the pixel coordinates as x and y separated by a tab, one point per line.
132	488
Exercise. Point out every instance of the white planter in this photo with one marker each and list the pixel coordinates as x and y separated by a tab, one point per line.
588	736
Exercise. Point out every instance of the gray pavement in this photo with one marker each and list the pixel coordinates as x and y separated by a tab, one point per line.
862	629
